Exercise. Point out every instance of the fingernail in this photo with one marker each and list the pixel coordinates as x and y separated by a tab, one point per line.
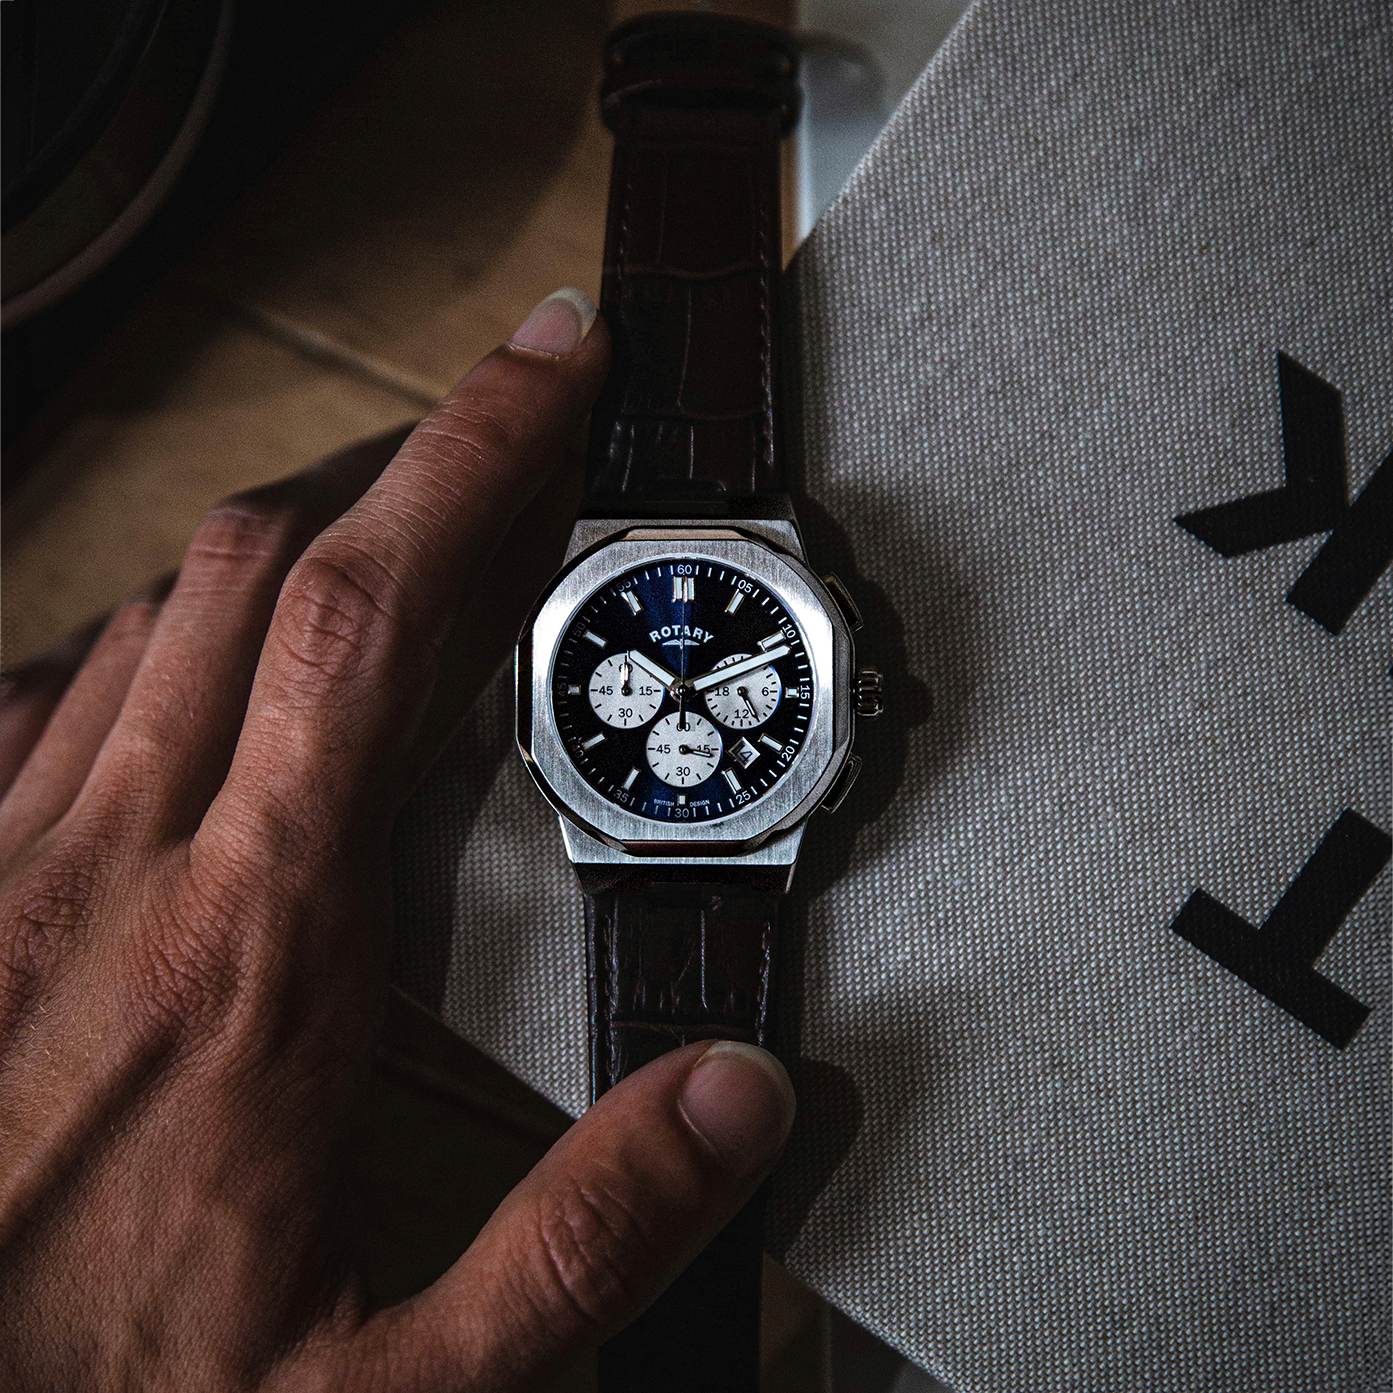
740	1099
558	325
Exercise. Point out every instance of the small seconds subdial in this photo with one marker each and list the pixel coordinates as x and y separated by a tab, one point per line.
747	701
622	694
683	749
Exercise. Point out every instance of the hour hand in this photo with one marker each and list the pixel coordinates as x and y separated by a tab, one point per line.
716	676
670	680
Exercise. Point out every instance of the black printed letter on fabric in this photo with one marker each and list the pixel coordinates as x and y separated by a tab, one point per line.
1277	958
1313	499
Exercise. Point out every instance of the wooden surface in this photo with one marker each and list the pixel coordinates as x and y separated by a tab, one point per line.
410	227
408	230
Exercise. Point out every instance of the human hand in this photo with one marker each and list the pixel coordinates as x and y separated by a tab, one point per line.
194	918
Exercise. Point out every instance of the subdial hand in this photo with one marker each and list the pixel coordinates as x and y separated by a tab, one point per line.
744	695
626	672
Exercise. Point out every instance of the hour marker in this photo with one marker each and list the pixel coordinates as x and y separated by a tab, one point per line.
770	743
681	800
736	601
629	782
729	776
683	588
745	753
592	742
597	640
632	601
573	689
772	641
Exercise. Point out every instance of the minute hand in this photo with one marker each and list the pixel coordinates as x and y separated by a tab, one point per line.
717	675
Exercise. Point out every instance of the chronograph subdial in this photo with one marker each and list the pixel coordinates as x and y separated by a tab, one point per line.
683	749
622	694
749	699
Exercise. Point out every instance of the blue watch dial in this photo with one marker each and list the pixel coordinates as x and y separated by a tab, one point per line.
683	690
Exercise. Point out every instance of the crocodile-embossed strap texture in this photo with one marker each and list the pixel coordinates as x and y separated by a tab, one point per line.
698	104
693	254
672	963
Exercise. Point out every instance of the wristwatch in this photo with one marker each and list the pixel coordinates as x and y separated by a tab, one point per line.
686	686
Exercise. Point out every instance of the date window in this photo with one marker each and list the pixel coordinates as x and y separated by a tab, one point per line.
744	753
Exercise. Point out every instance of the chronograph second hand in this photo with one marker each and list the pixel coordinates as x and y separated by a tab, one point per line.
682	666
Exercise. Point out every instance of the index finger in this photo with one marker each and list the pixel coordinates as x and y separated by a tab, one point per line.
350	656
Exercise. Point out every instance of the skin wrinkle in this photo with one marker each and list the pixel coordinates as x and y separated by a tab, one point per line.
267	832
472	441
240	534
254	776
414	529
585	1270
55	903
186	979
329	622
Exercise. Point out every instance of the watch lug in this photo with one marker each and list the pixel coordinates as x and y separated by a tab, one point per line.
845	603
600	867
590	532
836	795
780	532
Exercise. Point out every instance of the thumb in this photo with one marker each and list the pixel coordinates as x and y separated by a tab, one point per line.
613	1212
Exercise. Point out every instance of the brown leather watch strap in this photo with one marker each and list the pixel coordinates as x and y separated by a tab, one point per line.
687	421
693	253
671	963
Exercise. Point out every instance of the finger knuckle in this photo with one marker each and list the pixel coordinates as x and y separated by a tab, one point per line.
183	975
203	944
45	907
130	626
595	1251
242	536
337	610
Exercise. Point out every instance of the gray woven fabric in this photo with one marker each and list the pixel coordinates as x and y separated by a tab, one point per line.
1047	1144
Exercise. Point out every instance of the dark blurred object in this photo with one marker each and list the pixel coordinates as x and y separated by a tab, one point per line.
92	147
68	65
101	98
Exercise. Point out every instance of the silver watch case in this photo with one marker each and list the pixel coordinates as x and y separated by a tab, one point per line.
755	548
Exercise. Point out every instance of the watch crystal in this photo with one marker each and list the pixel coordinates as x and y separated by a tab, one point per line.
682	690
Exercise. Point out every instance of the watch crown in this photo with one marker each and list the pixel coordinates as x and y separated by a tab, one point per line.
868	690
